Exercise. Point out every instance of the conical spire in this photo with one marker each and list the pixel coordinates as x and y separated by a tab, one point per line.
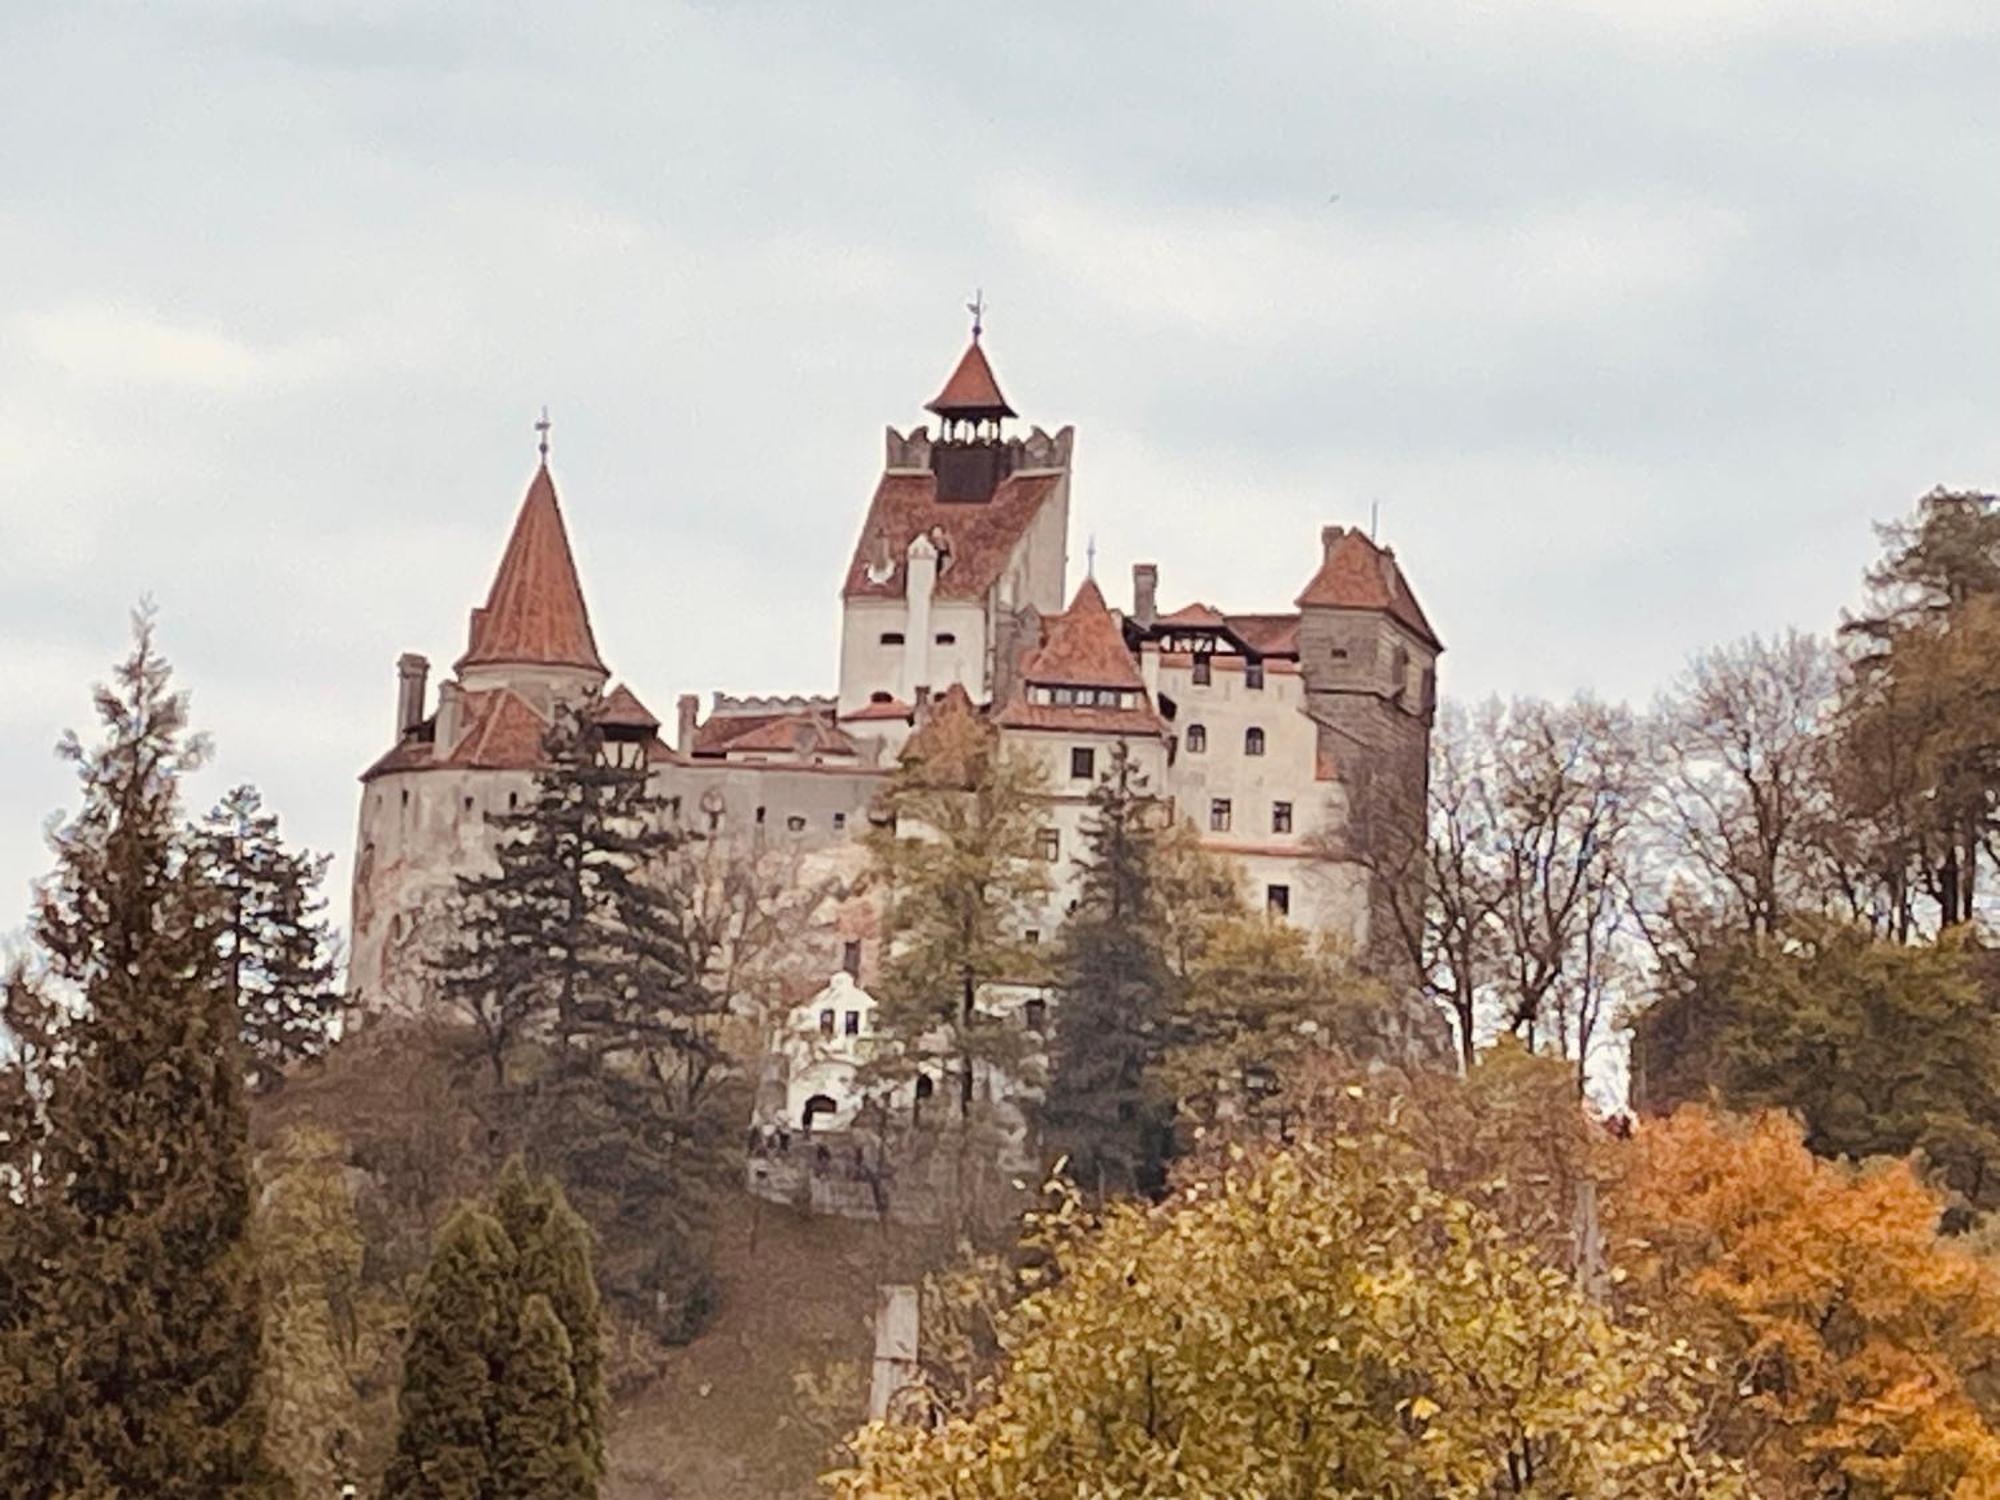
534	614
972	394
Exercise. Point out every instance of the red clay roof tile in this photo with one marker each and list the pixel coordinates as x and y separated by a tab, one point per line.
1083	647
971	391
1357	574
976	538
534	612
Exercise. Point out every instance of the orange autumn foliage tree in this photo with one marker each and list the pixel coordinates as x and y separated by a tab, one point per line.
1851	1340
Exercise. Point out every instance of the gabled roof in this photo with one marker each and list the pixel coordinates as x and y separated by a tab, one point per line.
1197	614
895	708
975	540
1270	635
1357	574
971	391
534	613
1083	647
782	733
623	710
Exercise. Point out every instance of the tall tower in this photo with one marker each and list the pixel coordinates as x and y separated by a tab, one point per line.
1368	657
967	530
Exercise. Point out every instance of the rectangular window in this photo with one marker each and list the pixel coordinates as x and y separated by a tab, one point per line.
851	1024
946	638
1048	844
826	1022
1218	815
1281	817
1036	1015
1032	936
850	958
892	637
1197	738
1253	741
839	821
1278	899
1082	764
1201	670
1253	673
796	823
760	817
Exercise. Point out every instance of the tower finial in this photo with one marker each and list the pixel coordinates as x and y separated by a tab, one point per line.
1090	557
543	427
977	307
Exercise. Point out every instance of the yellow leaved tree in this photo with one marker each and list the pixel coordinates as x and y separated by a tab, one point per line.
1307	1321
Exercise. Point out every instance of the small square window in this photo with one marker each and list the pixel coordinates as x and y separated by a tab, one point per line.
1281	817
1032	936
1278	900
839	821
851	1024
1197	738
1048	843
796	823
1202	667
1253	673
1082	763
1219	815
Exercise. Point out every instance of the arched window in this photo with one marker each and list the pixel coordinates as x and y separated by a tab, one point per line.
1253	741
1197	738
816	1106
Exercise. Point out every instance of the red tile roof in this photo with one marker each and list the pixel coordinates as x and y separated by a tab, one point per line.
1083	647
971	391
895	708
1073	718
1197	614
977	538
624	710
1357	574
1270	635
535	612
772	734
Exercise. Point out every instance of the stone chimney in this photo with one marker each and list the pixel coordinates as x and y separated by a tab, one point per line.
1145	593
413	675
450	719
690	710
1329	538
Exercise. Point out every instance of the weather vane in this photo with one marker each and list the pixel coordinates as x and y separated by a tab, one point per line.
543	427
977	307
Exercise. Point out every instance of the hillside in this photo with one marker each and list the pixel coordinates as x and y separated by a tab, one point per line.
722	1422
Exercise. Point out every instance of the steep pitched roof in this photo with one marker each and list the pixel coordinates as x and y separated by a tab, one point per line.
1083	647
975	539
1357	574
622	709
1272	635
534	612
971	391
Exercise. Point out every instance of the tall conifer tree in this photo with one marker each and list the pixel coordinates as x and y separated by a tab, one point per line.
538	1451
552	1246
143	1324
278	953
1106	1109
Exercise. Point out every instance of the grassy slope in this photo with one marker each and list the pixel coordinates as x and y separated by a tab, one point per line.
798	1294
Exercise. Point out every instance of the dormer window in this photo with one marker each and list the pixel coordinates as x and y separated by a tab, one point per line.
881	698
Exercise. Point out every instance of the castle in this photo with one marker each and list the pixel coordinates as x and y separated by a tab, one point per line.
1296	740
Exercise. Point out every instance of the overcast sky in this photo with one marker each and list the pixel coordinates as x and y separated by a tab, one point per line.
1631	314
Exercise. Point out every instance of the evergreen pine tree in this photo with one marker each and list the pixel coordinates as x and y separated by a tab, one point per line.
142	1327
277	948
552	1247
538	1452
1106	1109
461	1333
582	933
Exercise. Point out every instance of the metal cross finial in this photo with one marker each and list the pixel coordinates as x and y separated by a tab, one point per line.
1090	558
977	307
543	427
